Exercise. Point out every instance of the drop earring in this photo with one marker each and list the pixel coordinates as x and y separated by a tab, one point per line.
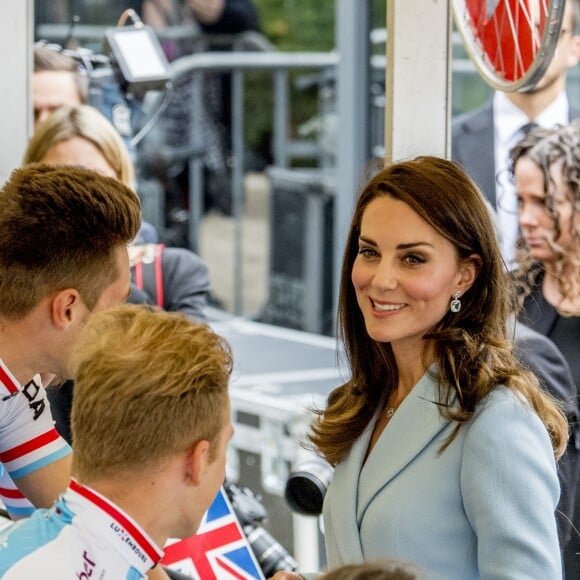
455	305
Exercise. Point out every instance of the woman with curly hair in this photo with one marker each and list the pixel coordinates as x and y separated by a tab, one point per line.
444	446
546	168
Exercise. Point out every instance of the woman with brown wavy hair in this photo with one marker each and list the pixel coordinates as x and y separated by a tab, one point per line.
444	447
546	168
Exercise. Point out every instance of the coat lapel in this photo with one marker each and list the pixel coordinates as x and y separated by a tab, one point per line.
415	424
342	501
413	427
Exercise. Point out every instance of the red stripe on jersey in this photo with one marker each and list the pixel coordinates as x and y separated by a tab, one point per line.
32	445
11	493
151	551
11	387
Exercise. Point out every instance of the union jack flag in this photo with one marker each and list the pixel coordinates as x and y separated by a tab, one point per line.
219	550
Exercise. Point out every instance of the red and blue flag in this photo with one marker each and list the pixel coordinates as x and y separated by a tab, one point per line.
219	550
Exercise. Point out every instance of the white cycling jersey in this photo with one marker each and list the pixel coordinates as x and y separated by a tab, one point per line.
83	536
28	439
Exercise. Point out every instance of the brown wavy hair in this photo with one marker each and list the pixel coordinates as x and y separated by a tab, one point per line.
545	149
472	352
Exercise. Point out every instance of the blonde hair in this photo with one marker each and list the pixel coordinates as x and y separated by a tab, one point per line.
87	123
149	383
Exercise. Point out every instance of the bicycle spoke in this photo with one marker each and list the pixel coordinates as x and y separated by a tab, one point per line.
508	39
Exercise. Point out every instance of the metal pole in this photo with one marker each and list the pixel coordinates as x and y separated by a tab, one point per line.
16	41
196	185
418	103
281	117
238	184
353	113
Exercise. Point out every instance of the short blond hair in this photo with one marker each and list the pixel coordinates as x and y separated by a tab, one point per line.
87	123
148	384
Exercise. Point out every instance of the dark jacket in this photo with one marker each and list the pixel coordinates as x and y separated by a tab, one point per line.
472	146
539	354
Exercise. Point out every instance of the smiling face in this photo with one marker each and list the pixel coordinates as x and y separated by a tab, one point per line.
537	225
405	274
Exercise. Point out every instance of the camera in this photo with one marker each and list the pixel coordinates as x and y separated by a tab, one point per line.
271	555
306	486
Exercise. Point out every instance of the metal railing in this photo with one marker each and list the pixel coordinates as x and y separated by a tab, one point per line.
285	149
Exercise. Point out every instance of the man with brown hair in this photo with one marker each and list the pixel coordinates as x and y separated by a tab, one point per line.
63	255
57	82
151	423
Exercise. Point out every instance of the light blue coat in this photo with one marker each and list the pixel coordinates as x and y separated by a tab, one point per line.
484	508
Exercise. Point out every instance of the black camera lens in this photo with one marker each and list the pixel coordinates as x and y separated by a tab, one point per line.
307	485
271	555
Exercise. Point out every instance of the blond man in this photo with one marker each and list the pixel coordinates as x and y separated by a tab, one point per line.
151	423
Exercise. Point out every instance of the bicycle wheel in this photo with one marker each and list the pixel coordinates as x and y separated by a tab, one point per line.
511	42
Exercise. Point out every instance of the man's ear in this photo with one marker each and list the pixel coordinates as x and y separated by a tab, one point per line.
469	270
196	462
64	307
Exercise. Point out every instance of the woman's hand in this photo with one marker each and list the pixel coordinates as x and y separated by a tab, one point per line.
157	573
207	11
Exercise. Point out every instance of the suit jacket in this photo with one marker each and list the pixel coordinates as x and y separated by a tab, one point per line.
540	355
465	513
538	314
543	318
472	146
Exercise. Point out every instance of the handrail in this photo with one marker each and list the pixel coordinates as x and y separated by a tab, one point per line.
237	63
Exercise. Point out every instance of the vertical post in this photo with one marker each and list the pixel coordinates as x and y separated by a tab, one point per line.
196	183
418	103
238	185
16	42
312	260
306	542
281	104
353	104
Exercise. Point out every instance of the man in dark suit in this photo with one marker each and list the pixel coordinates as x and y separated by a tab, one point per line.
539	354
481	139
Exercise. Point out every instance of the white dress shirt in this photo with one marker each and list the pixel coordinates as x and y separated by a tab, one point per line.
508	121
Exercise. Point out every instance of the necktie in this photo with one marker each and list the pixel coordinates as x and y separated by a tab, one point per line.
525	129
